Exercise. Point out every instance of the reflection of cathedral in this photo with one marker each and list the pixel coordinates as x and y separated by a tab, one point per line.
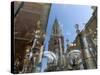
56	43
30	23
56	34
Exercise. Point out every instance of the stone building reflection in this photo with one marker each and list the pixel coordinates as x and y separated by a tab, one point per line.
30	23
